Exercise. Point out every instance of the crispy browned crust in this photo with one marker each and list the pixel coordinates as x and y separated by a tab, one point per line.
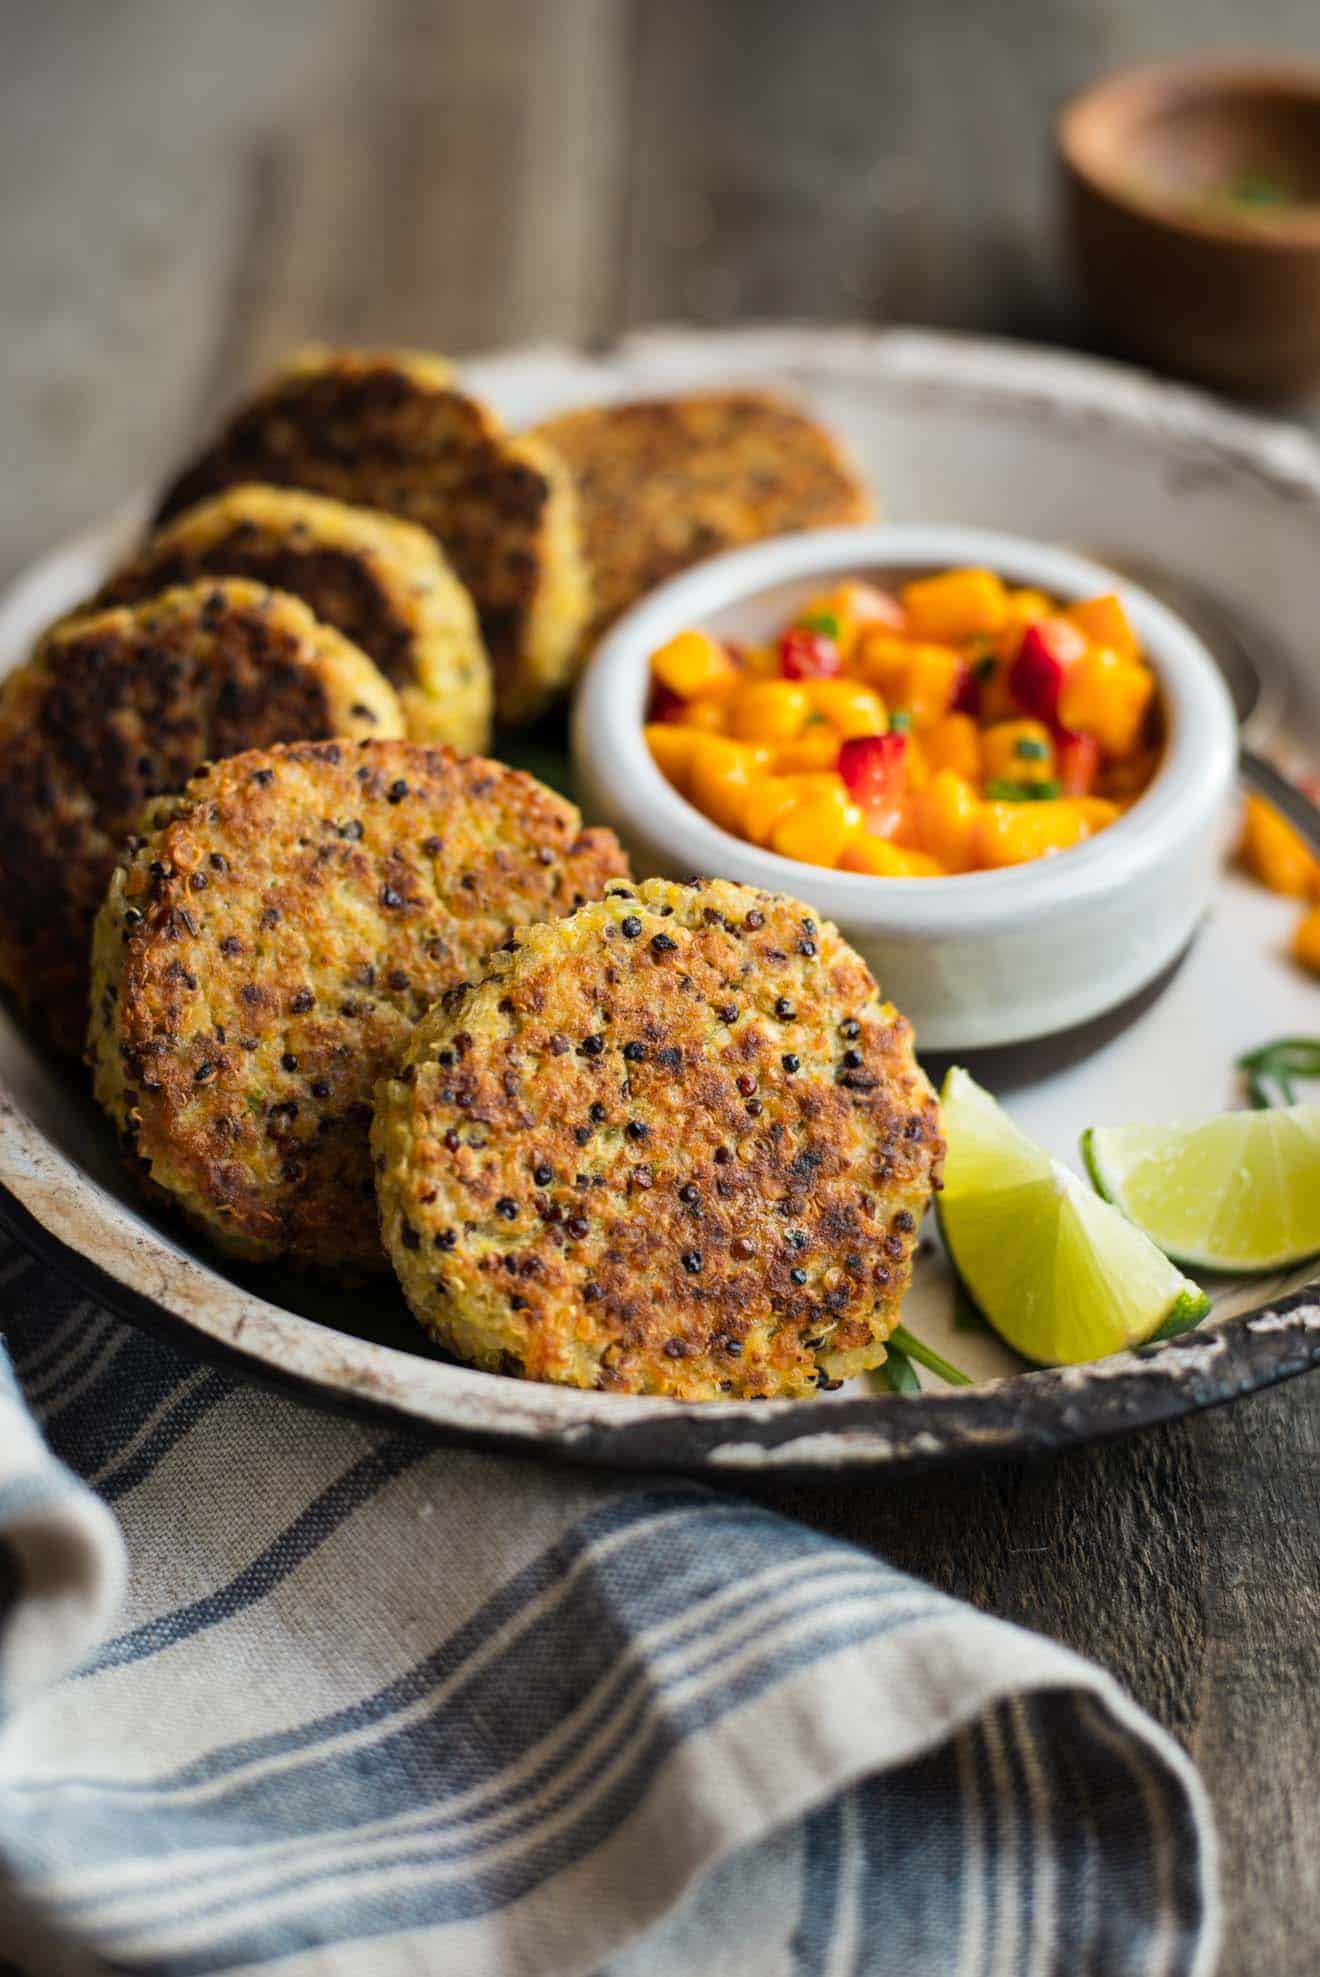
662	483
673	1144
120	704
384	583
390	430
263	955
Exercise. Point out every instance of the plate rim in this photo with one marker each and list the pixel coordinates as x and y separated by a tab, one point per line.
55	1210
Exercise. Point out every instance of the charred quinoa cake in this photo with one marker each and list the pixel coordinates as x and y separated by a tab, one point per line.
382	582
676	1143
122	704
663	482
392	430
266	948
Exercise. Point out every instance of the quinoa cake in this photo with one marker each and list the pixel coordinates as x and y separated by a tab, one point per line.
662	483
676	1143
266	947
392	430
382	582
121	704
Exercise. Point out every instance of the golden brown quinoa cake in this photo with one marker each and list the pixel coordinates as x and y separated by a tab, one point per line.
662	483
674	1144
391	430
121	704
382	582
265	951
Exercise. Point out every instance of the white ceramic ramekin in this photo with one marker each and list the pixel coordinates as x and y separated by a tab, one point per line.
985	957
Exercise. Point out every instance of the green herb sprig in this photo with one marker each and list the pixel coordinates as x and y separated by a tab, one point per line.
1271	1069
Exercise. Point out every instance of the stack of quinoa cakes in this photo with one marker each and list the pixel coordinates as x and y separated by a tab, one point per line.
355	996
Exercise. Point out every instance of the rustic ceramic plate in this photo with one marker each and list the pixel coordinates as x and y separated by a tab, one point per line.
950	429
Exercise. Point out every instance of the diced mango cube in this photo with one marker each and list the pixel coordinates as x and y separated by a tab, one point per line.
849	707
1025	607
957	604
767	798
768	710
1105	622
694	663
1306	940
709	716
1276	854
1018	752
817	827
719	772
945	820
672	749
1107	696
815	748
883	860
954	742
1014	833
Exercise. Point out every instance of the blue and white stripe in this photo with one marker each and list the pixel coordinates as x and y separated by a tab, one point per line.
369	1706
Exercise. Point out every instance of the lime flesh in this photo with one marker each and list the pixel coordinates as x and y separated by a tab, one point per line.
1239	1192
1058	1272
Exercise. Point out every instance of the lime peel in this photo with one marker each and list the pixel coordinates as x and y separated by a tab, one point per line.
1058	1272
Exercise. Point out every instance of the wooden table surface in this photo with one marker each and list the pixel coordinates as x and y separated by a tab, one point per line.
190	187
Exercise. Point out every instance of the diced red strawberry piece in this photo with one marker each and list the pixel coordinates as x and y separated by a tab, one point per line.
967	694
1047	650
806	655
666	705
1078	760
874	771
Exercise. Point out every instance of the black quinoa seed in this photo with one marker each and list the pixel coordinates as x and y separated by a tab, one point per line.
807	947
597	1113
389	897
850	1027
727	1012
204	1073
662	944
582	1134
289	1062
577	1226
692	1261
630	926
321	1088
396	792
852	1060
635	1053
784	1010
507	1207
591	1046
791	1062
689	1192
636	1130
445	1239
543	1175
798	1276
755	919
302	1002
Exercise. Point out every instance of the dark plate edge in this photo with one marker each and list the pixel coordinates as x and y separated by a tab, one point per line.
1017	1418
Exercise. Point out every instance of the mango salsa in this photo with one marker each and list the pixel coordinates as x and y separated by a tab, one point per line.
961	726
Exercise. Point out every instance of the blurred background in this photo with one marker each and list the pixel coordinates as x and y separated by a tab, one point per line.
191	186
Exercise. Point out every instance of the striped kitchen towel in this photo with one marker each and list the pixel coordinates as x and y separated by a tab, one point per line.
362	1706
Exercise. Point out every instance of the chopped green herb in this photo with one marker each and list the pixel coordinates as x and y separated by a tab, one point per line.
815	720
1030	748
820	621
1000	790
1270	1070
897	1372
984	669
900	721
924	1356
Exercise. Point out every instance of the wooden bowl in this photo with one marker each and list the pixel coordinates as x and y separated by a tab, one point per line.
1193	200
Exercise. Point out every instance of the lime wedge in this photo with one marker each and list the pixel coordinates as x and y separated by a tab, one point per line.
1239	1192
1059	1273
